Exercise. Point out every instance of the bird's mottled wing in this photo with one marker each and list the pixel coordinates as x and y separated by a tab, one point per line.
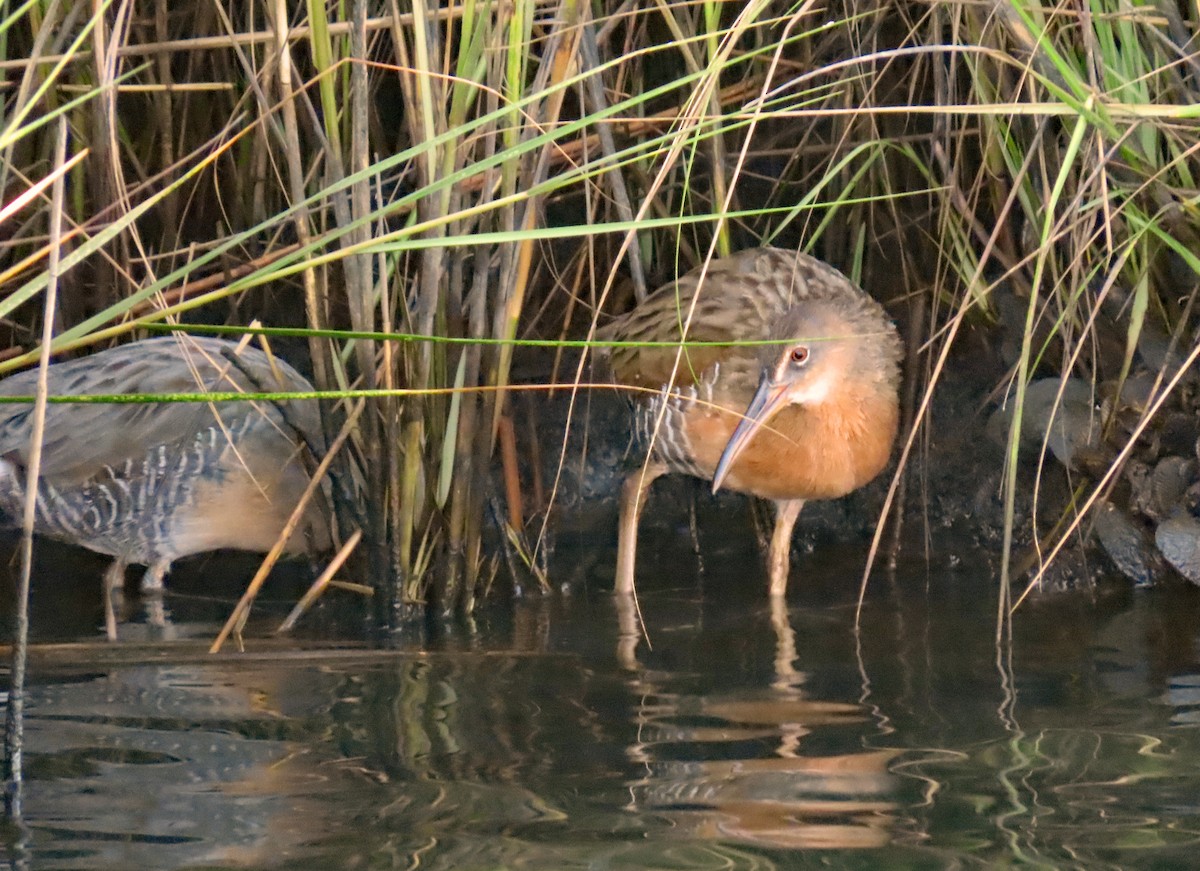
83	438
739	298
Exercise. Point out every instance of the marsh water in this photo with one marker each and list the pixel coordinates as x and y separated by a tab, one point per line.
541	736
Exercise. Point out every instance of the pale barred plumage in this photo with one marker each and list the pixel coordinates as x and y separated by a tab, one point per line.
668	438
152	482
127	510
832	431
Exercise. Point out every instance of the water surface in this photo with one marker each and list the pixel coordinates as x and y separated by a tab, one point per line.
740	737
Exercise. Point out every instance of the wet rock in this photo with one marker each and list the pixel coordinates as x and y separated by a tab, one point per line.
1011	309
1141	486
1160	491
1176	434
1169	483
1127	545
1061	414
1178	538
1071	570
1191	499
1135	394
1155	346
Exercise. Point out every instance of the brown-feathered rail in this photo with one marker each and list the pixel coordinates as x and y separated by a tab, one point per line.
811	417
150	483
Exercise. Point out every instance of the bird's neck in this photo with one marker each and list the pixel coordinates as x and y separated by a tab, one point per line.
850	434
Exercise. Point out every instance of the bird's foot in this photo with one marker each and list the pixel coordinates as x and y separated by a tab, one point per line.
152	581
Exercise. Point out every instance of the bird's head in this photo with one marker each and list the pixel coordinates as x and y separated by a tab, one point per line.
818	349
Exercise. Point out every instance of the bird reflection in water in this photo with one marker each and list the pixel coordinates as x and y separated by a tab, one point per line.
783	798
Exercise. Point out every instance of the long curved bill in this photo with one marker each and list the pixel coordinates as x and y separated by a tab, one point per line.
767	400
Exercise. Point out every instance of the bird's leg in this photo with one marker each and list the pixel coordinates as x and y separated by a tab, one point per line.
114	588
787	676
778	557
629	624
152	588
694	528
152	581
633	500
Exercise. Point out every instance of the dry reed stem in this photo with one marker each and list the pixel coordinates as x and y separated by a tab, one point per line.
322	583
236	39
175	297
512	477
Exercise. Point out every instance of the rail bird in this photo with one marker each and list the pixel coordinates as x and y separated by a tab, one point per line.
812	414
149	483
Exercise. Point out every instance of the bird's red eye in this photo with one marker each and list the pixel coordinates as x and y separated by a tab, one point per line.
799	355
